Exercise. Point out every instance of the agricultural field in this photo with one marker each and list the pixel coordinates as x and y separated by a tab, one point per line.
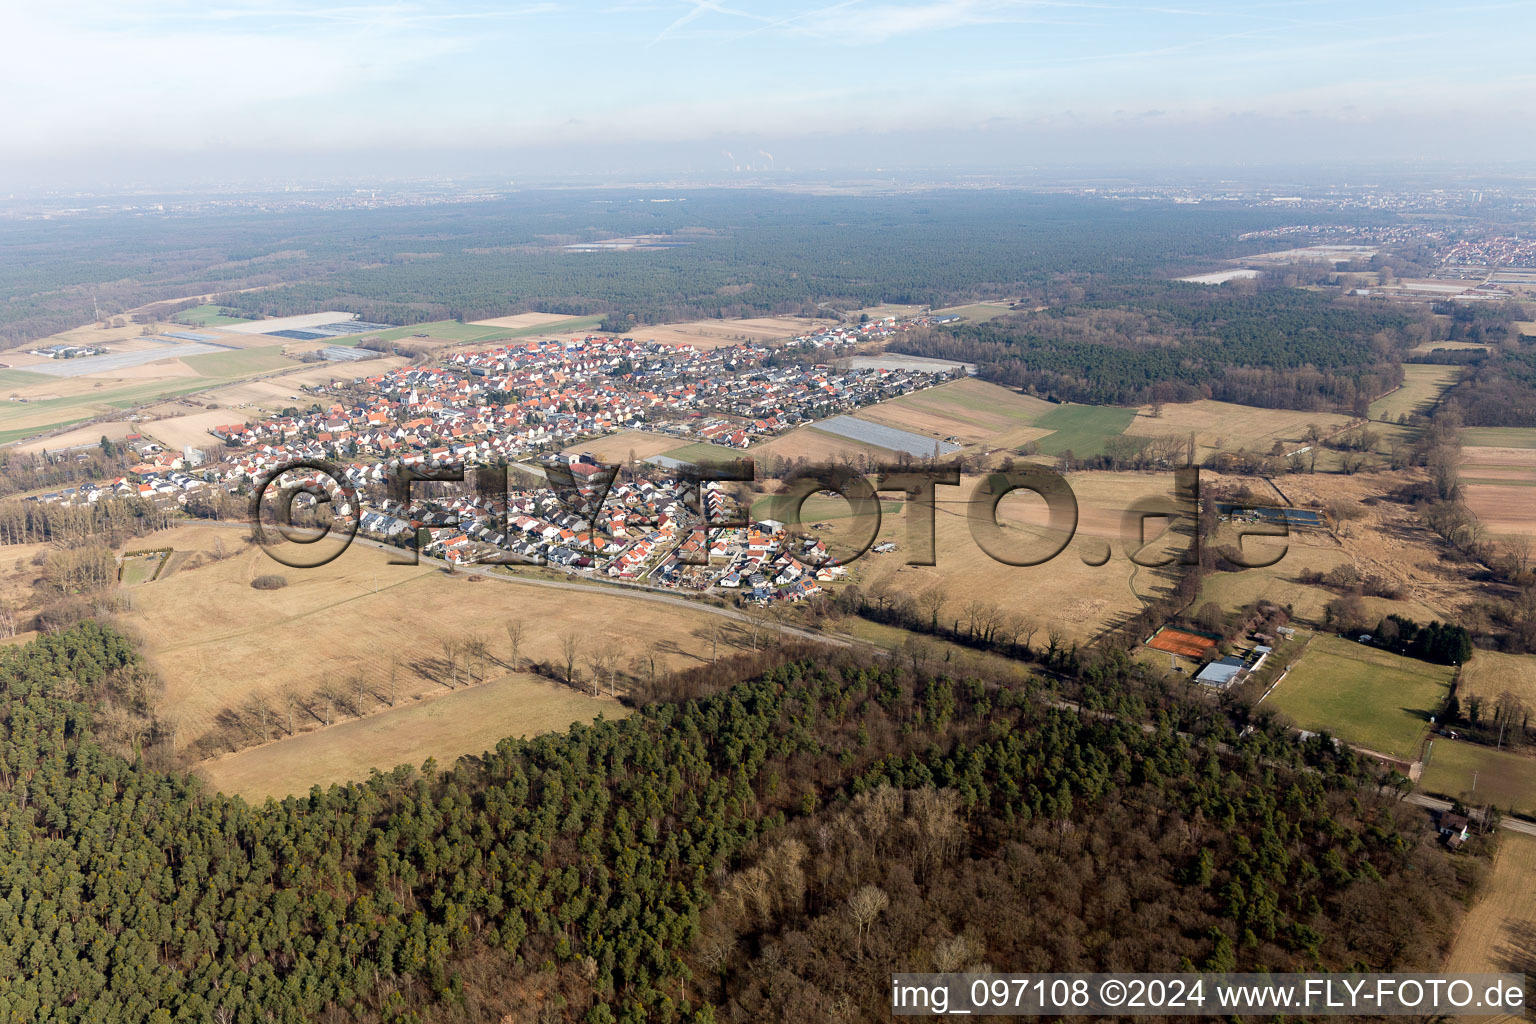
1423	384
706	334
703	451
190	429
112	430
217	641
804	443
1497	486
1491	673
1079	599
1082	430
443	726
1507	780
1498	437
1364	696
1499	932
972	410
1223	426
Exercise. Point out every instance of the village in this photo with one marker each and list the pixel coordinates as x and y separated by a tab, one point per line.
527	408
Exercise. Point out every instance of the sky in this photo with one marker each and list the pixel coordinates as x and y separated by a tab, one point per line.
723	87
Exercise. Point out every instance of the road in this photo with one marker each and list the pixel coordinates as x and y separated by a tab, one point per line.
1436	804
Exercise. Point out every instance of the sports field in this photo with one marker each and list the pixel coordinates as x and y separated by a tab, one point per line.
1082	430
1364	696
445	727
1507	780
1178	641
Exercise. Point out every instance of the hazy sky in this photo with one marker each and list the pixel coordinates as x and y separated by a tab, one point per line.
707	86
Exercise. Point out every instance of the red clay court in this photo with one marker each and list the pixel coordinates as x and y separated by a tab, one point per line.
1182	643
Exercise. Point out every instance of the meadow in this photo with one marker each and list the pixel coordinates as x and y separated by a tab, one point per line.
1490	673
217	641
1423	384
1083	430
1364	696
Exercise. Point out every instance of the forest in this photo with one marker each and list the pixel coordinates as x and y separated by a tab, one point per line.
1269	346
767	838
747	253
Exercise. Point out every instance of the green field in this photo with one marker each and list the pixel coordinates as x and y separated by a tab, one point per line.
207	316
453	330
1499	437
140	568
1507	780
1082	429
1365	696
20	378
72	409
1423	383
703	451
239	362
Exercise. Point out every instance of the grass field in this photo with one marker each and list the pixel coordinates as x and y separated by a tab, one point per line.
1507	780
207	316
1423	383
1499	437
20	378
1490	673
446	727
1368	697
976	312
140	568
240	363
1499	932
1082	430
972	410
703	451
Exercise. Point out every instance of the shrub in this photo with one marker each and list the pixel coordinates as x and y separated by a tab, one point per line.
271	581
